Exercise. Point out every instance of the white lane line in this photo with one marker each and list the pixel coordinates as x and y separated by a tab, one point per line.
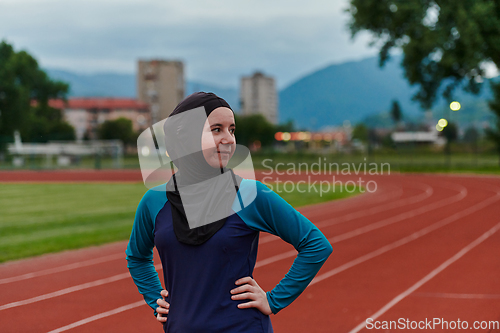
407	239
428	277
63	268
399	217
351	216
275	258
99	316
372	226
459	296
400	203
65	291
389	193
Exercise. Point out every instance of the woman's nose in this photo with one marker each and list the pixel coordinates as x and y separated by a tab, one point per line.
227	138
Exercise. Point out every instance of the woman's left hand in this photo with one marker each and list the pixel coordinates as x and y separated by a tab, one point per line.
249	289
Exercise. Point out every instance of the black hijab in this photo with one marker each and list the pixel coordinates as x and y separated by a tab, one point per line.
207	192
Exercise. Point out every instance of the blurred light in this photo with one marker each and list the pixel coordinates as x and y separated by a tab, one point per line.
439	128
256	144
443	122
145	151
302	135
455	106
286	136
278	136
317	137
307	136
141	120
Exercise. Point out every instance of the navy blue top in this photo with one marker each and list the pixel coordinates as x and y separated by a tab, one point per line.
199	277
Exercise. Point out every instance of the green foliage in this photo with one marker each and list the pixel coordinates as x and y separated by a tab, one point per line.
118	129
24	94
46	124
442	40
471	135
360	132
387	141
253	128
396	112
493	133
286	127
445	42
450	132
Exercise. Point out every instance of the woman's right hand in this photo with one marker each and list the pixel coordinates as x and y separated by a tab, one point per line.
162	307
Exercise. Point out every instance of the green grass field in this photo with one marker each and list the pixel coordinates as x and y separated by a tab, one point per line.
42	218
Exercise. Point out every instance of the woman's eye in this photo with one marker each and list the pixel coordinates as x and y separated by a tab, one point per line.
218	129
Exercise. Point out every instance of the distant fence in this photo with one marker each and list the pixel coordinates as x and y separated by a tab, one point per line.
60	154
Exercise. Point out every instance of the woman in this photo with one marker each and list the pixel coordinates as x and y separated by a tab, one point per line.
205	224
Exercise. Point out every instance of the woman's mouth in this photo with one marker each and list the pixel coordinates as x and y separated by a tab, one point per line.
224	154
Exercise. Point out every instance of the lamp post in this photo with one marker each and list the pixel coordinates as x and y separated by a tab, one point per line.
454	106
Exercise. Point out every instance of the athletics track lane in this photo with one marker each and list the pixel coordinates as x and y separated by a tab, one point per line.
335	304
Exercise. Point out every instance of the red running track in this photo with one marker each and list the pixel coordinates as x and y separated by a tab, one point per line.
420	247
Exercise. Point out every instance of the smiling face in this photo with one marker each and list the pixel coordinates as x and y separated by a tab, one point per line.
217	140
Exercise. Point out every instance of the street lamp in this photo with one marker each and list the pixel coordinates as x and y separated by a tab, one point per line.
455	106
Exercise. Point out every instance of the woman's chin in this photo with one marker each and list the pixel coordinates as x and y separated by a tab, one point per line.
218	164
216	160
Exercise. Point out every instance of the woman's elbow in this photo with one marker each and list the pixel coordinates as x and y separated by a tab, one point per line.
328	249
323	249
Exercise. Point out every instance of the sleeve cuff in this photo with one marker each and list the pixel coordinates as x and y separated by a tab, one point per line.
274	310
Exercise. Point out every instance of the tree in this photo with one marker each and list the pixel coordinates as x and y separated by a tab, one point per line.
450	132
24	94
118	129
46	123
360	132
286	127
444	42
471	135
253	128
396	113
493	133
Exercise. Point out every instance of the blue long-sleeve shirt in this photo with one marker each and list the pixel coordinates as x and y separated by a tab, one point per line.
199	278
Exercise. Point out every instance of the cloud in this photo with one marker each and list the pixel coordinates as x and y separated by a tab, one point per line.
219	41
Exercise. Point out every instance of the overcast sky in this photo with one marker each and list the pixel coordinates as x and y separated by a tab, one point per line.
219	40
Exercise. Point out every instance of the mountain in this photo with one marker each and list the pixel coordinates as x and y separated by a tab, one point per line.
349	91
96	85
360	91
